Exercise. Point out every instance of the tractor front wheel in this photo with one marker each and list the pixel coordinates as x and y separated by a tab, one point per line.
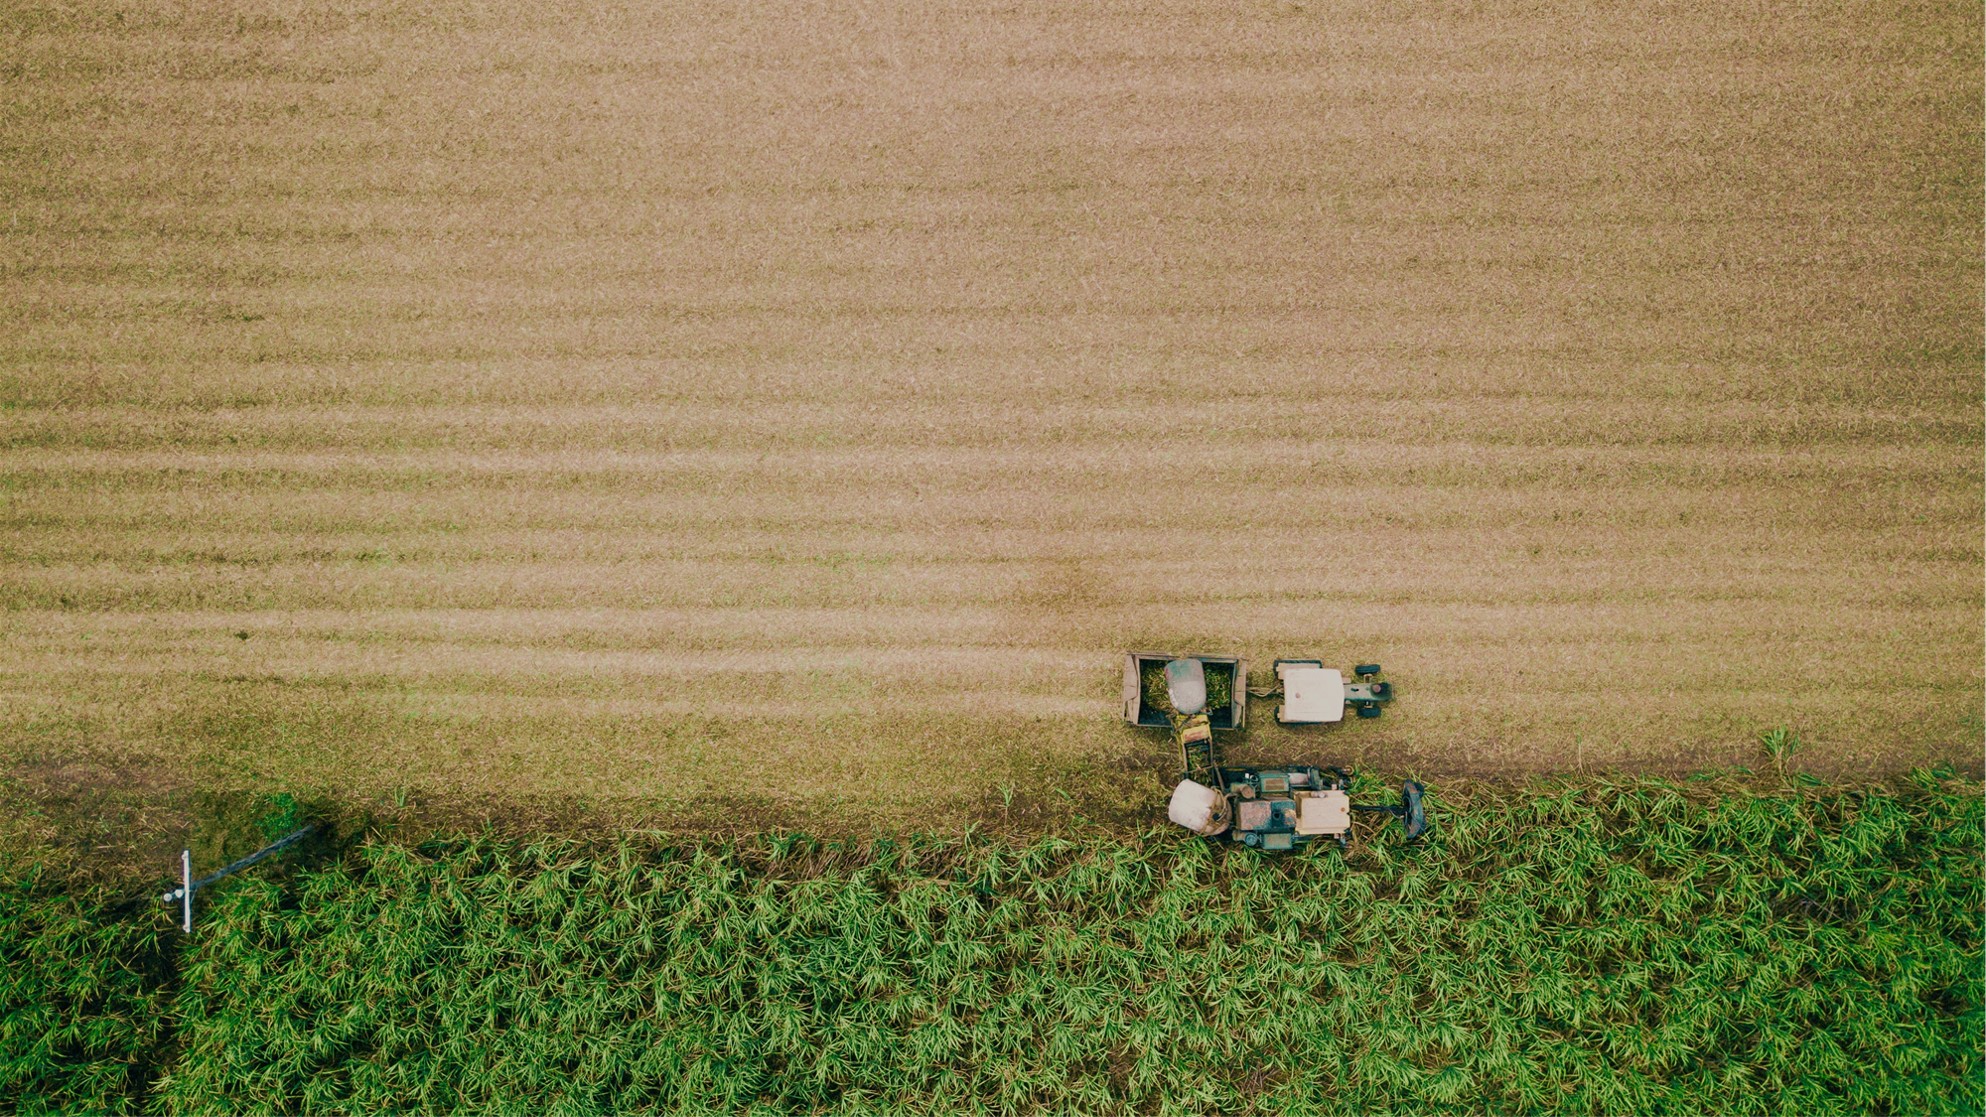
1366	670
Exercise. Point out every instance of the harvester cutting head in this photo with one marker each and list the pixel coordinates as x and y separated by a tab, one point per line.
1411	812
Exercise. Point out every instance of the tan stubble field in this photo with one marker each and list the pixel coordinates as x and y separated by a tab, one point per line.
650	402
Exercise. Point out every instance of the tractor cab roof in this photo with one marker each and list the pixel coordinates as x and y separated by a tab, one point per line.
1312	693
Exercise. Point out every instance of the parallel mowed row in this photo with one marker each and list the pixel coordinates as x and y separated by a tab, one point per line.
465	399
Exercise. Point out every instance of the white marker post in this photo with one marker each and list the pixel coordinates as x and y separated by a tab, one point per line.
184	893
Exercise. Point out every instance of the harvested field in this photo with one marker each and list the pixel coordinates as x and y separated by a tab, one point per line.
519	399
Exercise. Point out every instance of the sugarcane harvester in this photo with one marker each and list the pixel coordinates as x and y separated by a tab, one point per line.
1274	808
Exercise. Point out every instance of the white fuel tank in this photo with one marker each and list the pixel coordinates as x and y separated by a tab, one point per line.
1199	808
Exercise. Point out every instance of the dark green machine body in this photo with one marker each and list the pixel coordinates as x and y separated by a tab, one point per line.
1267	810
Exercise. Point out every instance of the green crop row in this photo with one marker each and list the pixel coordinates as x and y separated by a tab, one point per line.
1592	947
85	1001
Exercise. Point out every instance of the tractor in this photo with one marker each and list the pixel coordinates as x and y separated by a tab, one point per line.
1274	809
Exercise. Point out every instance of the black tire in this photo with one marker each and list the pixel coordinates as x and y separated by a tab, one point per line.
1366	670
1413	814
1368	711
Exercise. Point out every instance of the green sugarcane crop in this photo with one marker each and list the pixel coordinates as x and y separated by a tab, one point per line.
1579	947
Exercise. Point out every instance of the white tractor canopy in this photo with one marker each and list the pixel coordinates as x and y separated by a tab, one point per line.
1313	694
